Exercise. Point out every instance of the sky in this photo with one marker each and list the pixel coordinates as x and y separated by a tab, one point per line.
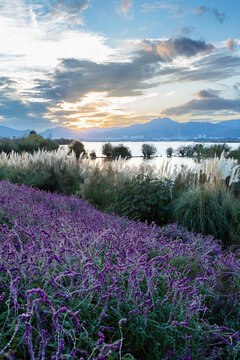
107	63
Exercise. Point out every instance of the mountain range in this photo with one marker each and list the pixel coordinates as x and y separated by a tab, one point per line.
156	129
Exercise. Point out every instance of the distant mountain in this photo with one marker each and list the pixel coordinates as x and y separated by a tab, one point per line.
234	124
156	129
6	131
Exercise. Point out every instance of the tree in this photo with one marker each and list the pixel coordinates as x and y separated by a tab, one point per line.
121	150
148	150
93	155
77	147
169	151
107	150
181	151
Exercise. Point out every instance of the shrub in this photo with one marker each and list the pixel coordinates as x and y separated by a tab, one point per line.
31	143
169	151
121	151
99	191
107	150
52	171
93	155
144	198
114	152
181	151
148	150
208	209
77	148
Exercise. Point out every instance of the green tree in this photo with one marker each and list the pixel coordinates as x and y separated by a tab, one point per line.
107	150
121	150
148	150
169	151
77	147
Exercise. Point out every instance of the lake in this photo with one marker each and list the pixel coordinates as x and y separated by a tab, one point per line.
161	146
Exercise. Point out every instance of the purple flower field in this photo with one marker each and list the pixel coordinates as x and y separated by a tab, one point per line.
76	283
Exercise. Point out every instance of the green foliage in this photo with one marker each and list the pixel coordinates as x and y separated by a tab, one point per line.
169	151
31	143
107	150
148	150
200	150
45	177
77	147
144	198
114	152
121	151
99	191
93	154
63	141
235	154
208	209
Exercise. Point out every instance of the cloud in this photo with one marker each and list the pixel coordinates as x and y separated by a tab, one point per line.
125	6
75	78
213	67
204	105
188	30
205	9
175	10
170	49
236	88
206	94
231	44
70	10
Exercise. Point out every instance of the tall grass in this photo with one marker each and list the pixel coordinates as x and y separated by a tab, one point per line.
204	203
208	209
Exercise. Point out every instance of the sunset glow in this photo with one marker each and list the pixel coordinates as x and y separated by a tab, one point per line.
87	63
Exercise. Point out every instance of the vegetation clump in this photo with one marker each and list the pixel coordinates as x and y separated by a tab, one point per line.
208	209
148	150
31	143
77	148
115	152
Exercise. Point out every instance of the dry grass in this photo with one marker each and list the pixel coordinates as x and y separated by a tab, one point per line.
211	170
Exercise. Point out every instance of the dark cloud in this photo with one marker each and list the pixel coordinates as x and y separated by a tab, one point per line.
213	67
74	78
204	106
7	86
205	9
170	49
236	88
206	94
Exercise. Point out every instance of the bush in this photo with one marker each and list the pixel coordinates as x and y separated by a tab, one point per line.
208	209
31	143
114	152
148	150
107	150
77	148
169	151
144	198
93	155
121	151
